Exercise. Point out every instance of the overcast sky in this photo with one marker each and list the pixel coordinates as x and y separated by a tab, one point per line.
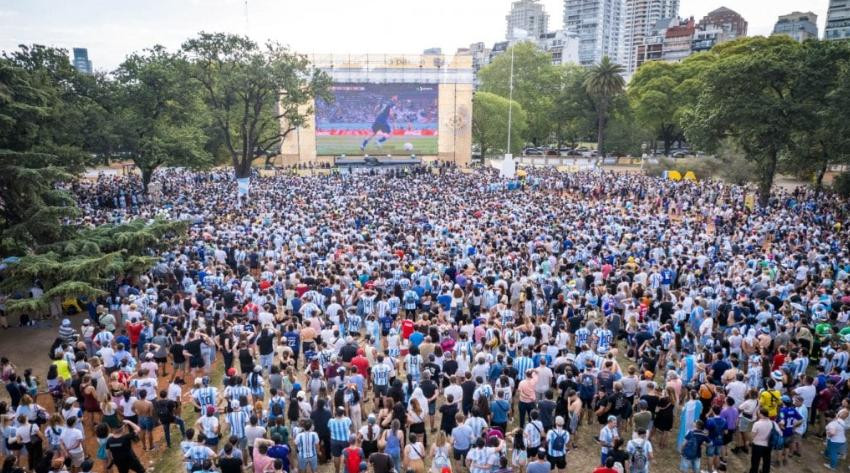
111	29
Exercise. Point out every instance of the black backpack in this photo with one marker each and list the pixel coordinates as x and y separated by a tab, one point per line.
163	410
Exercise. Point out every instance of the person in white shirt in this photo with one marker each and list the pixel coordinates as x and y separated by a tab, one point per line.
807	392
71	442
737	389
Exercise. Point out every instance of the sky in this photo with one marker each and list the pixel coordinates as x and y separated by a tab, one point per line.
111	29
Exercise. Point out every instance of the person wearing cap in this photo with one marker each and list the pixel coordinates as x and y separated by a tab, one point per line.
607	435
341	429
788	419
557	442
640	452
237	420
209	426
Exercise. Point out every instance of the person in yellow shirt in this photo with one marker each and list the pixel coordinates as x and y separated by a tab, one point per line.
63	370
770	399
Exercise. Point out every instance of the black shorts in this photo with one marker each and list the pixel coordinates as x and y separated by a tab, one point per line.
382	127
557	462
196	362
337	446
160	360
459	454
728	436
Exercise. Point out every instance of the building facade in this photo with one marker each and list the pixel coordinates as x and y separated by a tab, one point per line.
81	60
837	20
798	25
640	21
562	45
677	41
528	15
599	26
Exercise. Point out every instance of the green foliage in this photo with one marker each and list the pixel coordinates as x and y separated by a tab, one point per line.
48	106
255	95
654	95
749	95
573	112
490	123
604	84
841	184
536	86
822	136
159	114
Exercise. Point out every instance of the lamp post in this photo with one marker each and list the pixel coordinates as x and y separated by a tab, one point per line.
517	34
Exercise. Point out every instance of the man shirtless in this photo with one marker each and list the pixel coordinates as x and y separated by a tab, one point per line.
574	409
143	408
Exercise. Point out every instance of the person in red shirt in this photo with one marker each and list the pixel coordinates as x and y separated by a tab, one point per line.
407	328
134	330
353	456
607	468
779	358
361	363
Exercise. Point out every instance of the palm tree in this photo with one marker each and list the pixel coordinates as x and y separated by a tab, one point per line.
603	84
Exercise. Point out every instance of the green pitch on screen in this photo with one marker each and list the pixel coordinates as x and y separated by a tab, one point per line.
350	145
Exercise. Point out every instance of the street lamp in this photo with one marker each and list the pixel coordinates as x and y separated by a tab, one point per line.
517	34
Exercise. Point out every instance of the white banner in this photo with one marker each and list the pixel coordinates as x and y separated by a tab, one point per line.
508	170
243	185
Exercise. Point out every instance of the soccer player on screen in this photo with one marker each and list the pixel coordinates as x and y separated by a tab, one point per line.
381	125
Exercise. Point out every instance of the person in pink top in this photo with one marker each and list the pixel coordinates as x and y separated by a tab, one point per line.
527	396
260	455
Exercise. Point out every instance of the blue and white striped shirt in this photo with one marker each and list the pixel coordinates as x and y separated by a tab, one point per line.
206	396
380	374
533	434
523	364
306	442
340	428
551	437
237	421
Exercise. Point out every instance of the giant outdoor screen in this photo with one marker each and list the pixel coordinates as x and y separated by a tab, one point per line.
378	119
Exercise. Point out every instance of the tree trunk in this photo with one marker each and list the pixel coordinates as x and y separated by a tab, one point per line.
242	167
600	134
147	175
819	179
766	179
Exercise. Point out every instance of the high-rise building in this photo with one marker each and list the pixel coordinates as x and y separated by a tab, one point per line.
599	25
729	22
641	17
837	20
562	45
800	26
81	60
528	15
677	41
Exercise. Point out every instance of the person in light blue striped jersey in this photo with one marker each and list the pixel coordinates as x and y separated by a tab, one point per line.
340	427
236	420
307	445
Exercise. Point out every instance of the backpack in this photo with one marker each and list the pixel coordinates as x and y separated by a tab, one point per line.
776	440
163	410
276	408
586	389
691	448
638	458
559	442
622	407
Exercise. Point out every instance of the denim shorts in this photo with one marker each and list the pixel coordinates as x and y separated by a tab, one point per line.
687	465
303	462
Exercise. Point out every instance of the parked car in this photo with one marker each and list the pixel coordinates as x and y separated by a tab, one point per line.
552	152
532	152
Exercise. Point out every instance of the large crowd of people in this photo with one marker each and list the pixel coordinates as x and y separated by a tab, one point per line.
440	322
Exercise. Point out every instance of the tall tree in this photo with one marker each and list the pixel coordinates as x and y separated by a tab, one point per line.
604	83
655	101
490	123
535	82
823	135
159	113
256	95
66	127
749	95
573	108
